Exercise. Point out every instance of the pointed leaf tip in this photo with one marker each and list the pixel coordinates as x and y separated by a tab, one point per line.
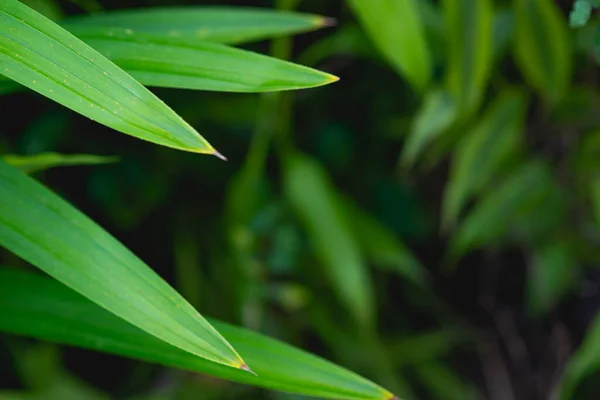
326	21
245	367
219	155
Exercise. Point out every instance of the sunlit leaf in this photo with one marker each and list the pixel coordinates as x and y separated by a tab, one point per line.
542	46
35	306
43	161
308	189
176	63
396	29
39	54
193	23
437	114
46	231
469	28
482	150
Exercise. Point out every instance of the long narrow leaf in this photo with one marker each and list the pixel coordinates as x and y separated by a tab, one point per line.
39	54
210	23
313	198
395	27
43	229
43	161
542	46
34	306
470	30
191	64
482	151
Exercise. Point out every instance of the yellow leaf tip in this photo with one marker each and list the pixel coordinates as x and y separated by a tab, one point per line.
245	367
332	78
326	21
218	155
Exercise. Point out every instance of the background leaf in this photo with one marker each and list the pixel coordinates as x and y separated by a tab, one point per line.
86	258
42	308
479	153
542	47
396	29
194	23
43	161
469	31
310	193
437	114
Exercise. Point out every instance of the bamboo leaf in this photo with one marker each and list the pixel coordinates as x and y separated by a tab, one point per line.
179	63
583	363
482	151
469	31
437	114
44	230
35	306
542	47
39	54
226	25
516	200
380	244
313	198
43	161
551	275
396	29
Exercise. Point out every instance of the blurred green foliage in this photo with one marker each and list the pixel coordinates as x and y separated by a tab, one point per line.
431	221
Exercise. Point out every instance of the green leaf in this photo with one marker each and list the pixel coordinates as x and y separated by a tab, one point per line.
191	64
34	306
437	114
512	201
311	194
469	30
380	244
39	54
443	383
479	154
46	231
542	47
580	14
551	275
583	363
396	29
43	161
207	23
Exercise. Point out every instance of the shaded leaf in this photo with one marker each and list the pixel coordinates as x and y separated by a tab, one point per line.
43	161
421	348
396	29
511	204
443	383
309	191
437	114
39	54
34	306
483	150
542	47
49	233
380	244
583	363
551	275
229	25
469	30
